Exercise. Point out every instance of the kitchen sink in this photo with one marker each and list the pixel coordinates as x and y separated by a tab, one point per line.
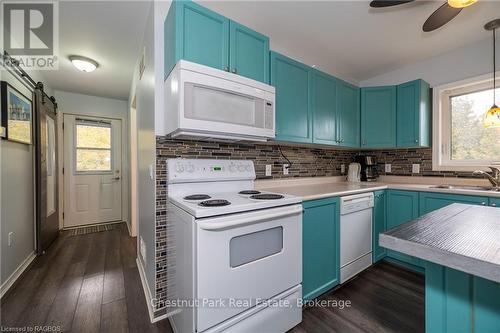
466	187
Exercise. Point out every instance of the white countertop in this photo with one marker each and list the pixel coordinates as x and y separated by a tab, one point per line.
325	187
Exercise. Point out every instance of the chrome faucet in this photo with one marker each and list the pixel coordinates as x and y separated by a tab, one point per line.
494	180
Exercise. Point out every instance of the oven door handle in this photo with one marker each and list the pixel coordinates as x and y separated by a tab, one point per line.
215	226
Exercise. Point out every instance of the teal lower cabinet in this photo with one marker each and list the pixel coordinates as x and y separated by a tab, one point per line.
431	201
402	207
459	302
379	224
320	247
495	202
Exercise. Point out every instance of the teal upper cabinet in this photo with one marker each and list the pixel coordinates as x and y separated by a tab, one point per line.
248	53
195	33
430	201
292	81
379	223
378	117
402	207
324	108
348	125
320	247
413	114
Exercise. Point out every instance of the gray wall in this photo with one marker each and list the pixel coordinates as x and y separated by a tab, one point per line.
146	155
469	61
17	198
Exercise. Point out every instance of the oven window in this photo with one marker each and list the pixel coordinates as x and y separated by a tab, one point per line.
257	245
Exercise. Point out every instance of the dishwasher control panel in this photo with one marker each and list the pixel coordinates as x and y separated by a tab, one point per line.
357	202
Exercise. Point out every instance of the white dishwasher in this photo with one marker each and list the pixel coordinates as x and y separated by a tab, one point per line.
355	234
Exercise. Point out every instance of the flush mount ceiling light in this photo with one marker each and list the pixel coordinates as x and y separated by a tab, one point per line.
492	117
84	64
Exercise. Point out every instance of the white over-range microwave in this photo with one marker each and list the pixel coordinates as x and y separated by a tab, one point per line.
206	103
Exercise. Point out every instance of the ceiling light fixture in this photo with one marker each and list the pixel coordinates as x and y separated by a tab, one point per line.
461	3
492	117
84	64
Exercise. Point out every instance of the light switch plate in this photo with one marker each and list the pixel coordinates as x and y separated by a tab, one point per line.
388	168
342	169
286	168
151	172
10	239
269	170
3	132
415	168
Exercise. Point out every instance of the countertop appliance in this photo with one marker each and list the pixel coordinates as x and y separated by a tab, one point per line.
237	244
368	167
353	172
355	234
202	102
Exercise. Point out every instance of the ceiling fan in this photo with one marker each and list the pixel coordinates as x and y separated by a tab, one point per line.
440	17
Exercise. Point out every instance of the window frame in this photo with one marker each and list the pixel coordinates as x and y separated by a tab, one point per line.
97	123
441	131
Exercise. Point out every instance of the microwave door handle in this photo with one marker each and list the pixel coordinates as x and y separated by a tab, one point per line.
212	226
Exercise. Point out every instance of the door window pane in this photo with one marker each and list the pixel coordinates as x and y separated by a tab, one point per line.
470	140
93	146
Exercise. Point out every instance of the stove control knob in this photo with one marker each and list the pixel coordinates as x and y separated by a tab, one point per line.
190	168
232	168
179	168
248	168
241	168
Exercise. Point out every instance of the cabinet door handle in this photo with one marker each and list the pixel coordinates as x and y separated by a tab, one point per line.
416	140
226	68
234	70
483	203
493	205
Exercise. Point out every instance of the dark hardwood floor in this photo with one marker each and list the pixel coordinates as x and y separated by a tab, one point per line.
85	283
384	298
90	283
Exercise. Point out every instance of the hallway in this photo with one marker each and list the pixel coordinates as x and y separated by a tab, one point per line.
85	283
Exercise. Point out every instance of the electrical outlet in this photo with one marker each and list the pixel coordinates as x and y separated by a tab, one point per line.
342	169
415	168
143	250
269	170
286	168
11	239
388	168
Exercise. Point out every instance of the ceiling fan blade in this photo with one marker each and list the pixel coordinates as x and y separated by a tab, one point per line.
440	17
388	3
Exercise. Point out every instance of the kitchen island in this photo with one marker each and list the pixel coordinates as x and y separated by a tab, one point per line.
460	245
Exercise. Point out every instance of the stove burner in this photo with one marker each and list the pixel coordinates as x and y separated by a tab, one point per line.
249	192
214	203
268	196
197	197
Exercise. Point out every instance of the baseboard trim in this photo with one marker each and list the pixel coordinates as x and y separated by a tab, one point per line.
128	228
145	287
4	288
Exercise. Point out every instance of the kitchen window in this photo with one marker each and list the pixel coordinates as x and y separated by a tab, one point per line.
460	141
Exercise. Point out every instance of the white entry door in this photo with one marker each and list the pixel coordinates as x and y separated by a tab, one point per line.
92	170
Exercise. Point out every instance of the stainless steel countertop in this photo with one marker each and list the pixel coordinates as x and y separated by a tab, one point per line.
462	237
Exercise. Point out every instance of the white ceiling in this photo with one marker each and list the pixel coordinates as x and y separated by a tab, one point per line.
354	41
109	32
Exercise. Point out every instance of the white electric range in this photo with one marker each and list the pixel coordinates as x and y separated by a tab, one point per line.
238	250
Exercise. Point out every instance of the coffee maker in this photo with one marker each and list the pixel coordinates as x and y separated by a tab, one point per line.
368	164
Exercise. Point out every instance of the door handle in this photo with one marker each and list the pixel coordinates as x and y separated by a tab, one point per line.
116	178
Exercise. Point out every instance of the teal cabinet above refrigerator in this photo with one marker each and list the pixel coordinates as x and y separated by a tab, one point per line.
197	34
